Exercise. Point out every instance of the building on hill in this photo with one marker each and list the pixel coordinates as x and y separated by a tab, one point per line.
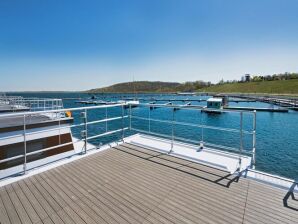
246	78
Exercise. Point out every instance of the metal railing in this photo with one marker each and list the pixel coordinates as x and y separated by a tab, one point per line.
83	123
200	141
18	103
125	114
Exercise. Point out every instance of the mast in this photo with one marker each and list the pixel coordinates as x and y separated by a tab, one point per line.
134	88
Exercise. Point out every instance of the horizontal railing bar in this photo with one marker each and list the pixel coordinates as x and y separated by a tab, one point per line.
12	158
107	133
61	127
60	145
42	131
190	140
193	125
193	107
75	125
147	119
39	151
105	120
61	110
52	147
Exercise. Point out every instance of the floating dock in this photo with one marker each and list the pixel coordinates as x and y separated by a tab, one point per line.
96	102
280	101
281	110
198	100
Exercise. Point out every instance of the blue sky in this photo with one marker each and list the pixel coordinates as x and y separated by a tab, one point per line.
78	45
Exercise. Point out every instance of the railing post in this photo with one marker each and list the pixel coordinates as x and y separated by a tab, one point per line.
122	108
106	119
84	132
59	120
173	130
130	114
25	145
202	133
254	140
86	129
149	120
241	140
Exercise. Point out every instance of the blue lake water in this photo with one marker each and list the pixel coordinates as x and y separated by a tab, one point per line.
277	133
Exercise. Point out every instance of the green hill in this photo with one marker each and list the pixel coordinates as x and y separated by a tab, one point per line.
271	87
147	87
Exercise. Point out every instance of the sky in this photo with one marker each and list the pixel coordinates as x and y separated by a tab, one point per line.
70	45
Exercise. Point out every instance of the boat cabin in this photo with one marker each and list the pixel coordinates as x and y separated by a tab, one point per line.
215	103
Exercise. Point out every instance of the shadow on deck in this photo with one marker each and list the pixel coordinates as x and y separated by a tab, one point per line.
131	184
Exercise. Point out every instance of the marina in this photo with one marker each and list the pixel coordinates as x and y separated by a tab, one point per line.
128	179
149	112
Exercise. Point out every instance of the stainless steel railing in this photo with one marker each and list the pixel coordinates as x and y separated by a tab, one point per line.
18	103
200	141
83	123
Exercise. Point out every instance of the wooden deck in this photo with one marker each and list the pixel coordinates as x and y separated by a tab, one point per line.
129	184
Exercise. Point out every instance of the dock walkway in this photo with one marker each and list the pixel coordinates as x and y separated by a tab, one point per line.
131	184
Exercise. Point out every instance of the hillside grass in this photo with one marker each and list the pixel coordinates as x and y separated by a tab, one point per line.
270	87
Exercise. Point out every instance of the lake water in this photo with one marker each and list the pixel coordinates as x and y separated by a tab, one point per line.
277	133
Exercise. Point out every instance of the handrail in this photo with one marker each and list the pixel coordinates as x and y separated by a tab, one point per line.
18	103
173	122
59	110
194	125
85	137
84	134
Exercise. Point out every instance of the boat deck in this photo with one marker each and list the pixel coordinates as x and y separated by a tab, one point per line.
131	184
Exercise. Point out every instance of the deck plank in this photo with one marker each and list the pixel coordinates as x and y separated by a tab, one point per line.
131	184
3	213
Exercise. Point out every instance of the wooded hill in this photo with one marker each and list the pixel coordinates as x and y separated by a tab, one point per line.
146	87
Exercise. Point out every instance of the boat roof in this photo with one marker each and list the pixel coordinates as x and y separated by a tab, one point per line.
214	100
15	123
6	108
132	184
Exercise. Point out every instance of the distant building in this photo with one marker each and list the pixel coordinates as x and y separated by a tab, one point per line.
247	77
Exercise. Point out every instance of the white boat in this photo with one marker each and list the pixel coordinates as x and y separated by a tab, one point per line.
29	133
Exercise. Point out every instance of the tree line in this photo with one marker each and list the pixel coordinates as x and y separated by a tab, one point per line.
260	78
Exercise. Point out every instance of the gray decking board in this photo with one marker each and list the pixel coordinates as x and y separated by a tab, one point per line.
130	184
